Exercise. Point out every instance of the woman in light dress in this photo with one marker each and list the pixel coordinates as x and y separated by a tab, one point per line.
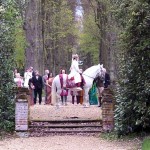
18	80
27	76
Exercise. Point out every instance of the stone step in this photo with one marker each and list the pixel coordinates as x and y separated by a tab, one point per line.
67	131
73	120
65	126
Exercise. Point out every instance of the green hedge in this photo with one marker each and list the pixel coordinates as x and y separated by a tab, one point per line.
133	89
7	109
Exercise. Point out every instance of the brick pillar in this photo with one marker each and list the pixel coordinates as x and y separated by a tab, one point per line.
108	110
22	112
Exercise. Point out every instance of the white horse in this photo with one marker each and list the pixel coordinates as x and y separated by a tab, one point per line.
88	75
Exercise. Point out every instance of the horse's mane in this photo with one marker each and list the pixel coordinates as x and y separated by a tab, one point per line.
90	70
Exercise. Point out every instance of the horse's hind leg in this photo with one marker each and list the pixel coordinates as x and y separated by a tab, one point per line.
58	99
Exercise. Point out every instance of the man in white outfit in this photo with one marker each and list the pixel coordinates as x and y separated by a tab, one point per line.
75	71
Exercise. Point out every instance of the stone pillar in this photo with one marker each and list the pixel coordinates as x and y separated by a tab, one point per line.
108	110
22	112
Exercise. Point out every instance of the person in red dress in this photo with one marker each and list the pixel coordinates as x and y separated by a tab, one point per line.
49	88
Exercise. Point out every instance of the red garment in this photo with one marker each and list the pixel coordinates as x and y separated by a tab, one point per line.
64	91
49	90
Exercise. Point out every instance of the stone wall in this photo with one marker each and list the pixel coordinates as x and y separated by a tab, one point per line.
22	112
108	110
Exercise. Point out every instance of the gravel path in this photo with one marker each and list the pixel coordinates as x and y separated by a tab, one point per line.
65	142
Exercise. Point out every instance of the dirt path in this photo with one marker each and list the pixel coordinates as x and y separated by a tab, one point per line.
48	112
66	142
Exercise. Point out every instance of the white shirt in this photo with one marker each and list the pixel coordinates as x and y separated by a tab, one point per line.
27	76
75	67
75	71
37	77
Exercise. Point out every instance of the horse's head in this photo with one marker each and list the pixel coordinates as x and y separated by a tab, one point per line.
101	71
95	71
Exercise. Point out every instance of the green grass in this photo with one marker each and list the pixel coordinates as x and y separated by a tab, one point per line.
146	144
113	136
109	136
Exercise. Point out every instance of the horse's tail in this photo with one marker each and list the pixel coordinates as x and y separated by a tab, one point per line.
53	92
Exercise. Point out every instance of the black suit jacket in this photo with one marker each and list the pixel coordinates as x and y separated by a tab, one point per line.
38	83
107	80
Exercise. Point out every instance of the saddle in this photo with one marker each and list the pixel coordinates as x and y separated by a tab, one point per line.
75	86
70	83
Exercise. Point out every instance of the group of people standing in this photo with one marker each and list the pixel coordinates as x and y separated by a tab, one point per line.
32	80
36	83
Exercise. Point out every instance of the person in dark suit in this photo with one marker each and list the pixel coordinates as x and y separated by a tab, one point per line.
37	85
107	80
101	84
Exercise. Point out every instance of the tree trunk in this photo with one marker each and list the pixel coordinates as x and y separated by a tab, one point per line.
108	39
48	35
33	30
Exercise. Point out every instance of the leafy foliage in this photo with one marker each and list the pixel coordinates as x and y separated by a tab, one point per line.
89	37
133	91
7	15
20	44
58	31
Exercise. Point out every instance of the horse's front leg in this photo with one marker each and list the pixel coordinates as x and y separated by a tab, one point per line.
86	97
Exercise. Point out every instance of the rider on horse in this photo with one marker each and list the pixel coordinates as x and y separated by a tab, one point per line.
75	71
